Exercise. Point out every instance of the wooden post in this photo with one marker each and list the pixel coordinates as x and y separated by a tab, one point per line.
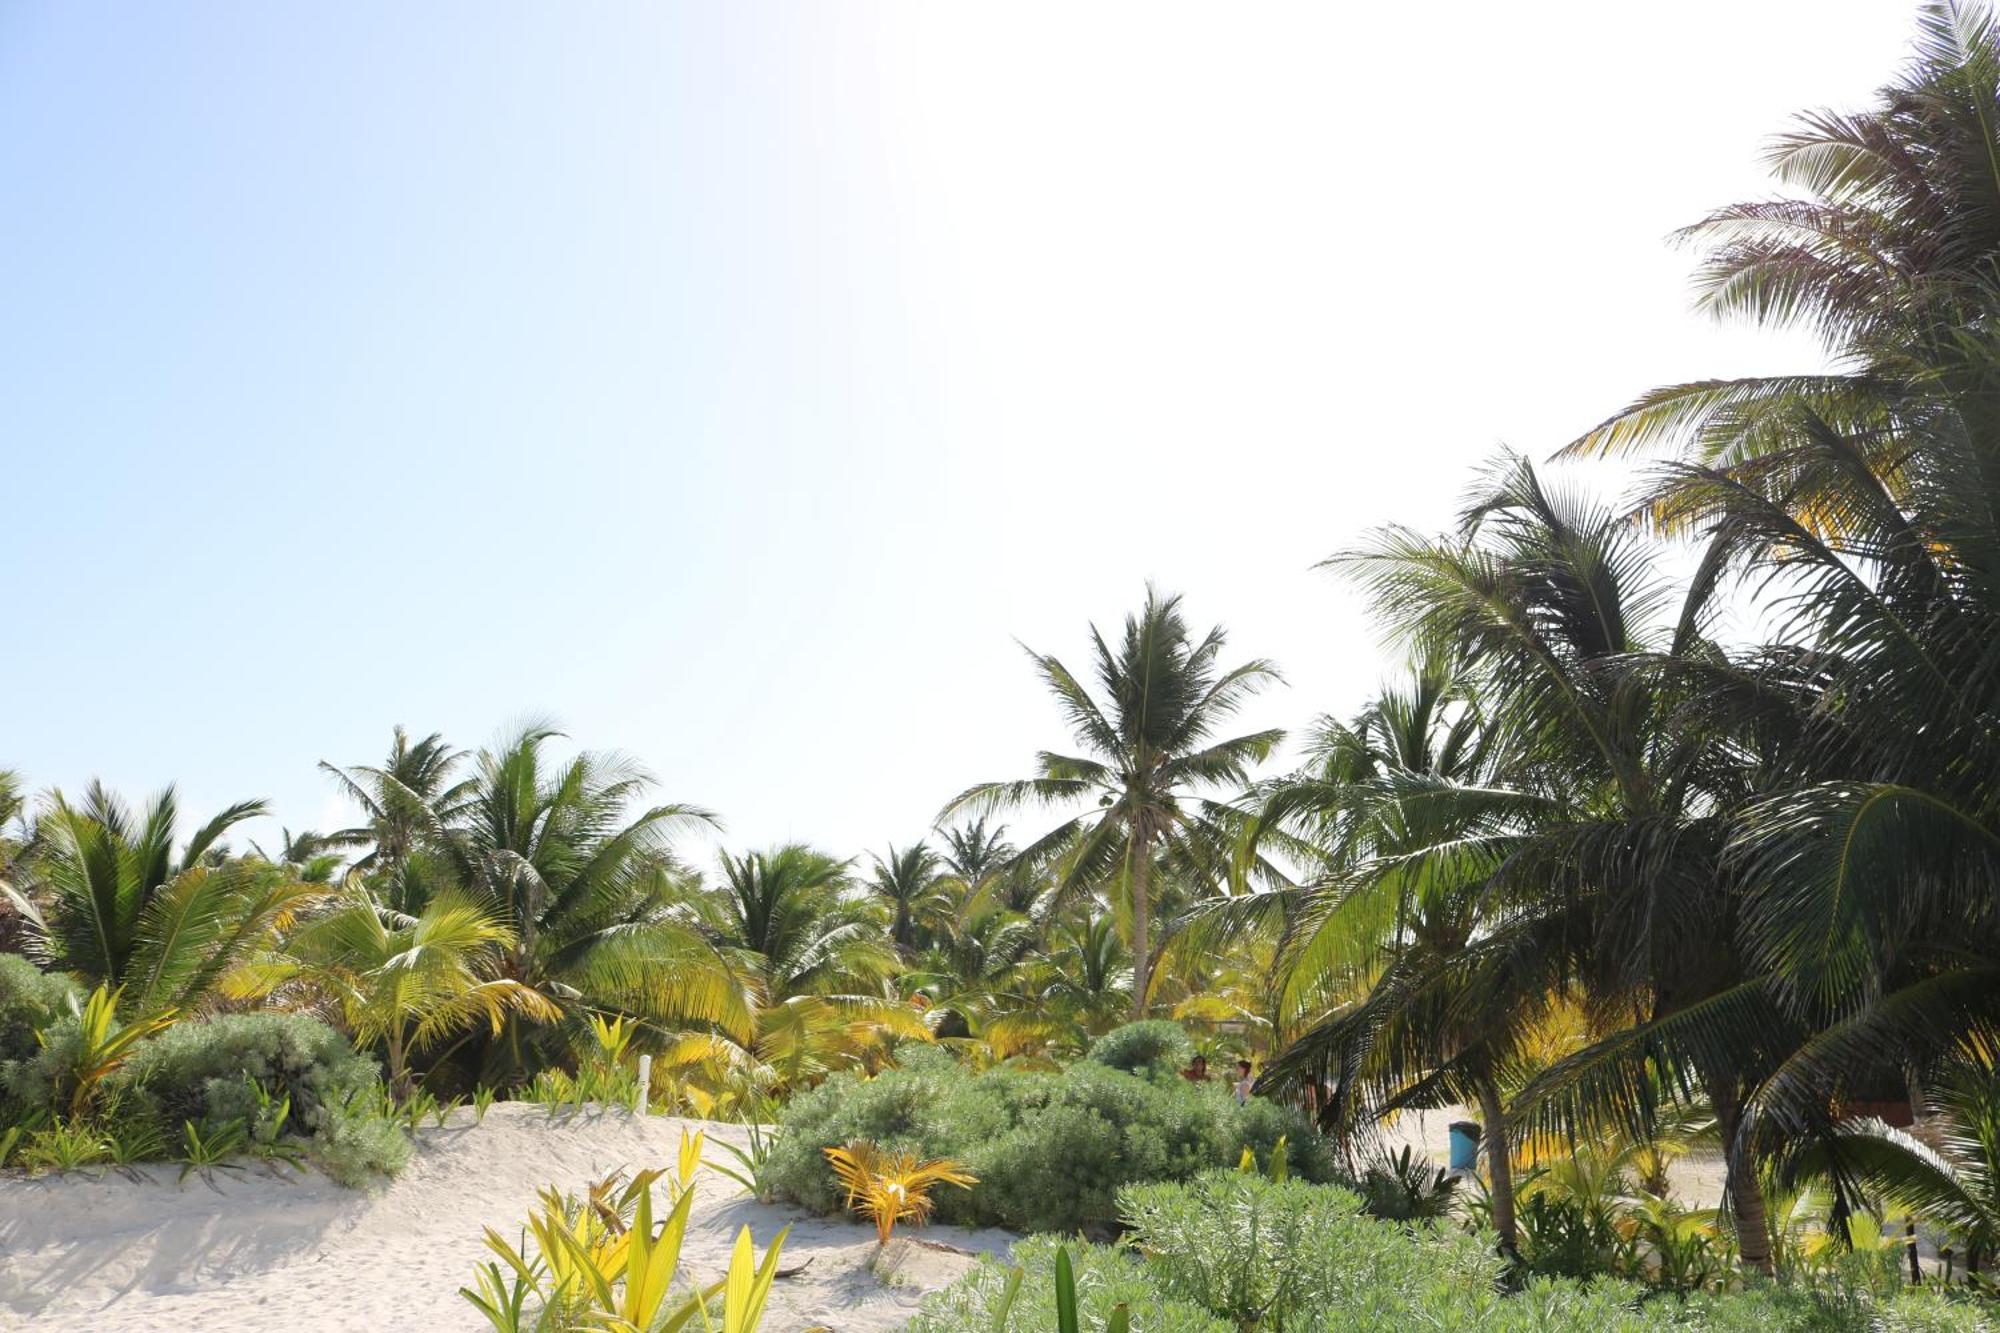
645	1084
1910	1237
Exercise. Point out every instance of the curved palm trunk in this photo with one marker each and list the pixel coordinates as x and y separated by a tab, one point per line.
1753	1228
1499	1164
1745	1194
1142	920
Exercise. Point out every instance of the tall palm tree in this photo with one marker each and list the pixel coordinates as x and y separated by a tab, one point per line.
412	793
125	911
1427	983
1870	856
1150	752
909	882
1607	696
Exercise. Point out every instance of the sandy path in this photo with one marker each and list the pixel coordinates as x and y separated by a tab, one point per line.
249	1251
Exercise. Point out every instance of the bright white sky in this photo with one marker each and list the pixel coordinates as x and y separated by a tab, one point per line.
735	383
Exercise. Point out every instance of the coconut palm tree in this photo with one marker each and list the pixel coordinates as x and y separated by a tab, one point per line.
1870	854
13	925
1427	983
1953	1182
909	882
583	875
1150	752
125	911
408	797
807	945
789	912
1884	246
1622	769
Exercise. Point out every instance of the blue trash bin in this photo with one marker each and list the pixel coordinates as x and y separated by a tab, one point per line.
1464	1145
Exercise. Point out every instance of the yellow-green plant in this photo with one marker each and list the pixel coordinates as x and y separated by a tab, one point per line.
601	1264
893	1187
103	1044
612	1037
689	1161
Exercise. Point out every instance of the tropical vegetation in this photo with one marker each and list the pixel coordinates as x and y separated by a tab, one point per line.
1675	831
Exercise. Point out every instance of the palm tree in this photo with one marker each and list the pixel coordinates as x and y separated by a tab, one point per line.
1884	247
126	912
1428	987
1150	752
407	982
13	925
1627	755
591	892
971	971
909	882
1954	1183
790	913
410	795
810	950
1086	977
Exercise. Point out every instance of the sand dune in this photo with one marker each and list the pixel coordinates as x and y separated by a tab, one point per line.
247	1250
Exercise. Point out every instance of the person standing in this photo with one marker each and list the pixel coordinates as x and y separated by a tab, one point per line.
1244	1082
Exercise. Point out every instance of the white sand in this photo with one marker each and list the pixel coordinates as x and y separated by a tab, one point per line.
246	1250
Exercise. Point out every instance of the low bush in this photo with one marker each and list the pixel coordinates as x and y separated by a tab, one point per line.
354	1143
1233	1250
30	1000
202	1071
1155	1047
1051	1150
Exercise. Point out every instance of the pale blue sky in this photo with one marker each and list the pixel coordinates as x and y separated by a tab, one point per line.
734	382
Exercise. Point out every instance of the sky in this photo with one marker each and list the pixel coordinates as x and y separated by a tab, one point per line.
741	385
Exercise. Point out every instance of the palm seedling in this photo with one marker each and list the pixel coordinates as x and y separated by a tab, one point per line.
892	1187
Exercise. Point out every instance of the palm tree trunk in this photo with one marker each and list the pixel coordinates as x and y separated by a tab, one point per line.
1753	1231
1142	920
399	1073
1499	1164
1745	1193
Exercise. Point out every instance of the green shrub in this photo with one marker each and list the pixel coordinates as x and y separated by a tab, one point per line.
1104	1277
30	1000
1156	1047
1051	1150
1242	1246
201	1071
1233	1250
355	1142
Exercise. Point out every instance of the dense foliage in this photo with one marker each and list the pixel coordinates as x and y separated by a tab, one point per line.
1051	1150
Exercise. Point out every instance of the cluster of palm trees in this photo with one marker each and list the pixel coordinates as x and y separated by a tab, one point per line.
493	907
1763	874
